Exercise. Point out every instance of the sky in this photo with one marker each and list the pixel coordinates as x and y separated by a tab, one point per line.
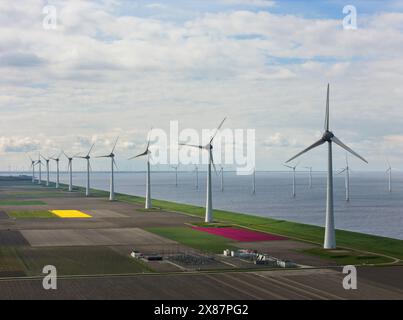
117	68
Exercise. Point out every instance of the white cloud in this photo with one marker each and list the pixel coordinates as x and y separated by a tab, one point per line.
280	140
19	144
255	3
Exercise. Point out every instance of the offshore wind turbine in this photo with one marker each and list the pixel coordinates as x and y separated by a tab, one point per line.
310	177
329	137
209	148
47	169
33	163
222	178
147	153
389	172
57	159
39	162
87	157
70	169
196	170
293	178
254	181
346	169
113	165
176	174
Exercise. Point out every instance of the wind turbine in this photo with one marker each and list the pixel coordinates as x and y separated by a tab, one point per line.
40	169
33	163
346	179
254	181
113	164
57	159
47	169
222	178
176	174
196	170
70	168
293	177
87	157
310	176
209	148
329	137
147	153
389	171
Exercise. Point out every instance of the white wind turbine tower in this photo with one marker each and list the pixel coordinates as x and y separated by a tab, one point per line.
147	153
113	165
293	178
254	181
87	157
310	177
176	174
346	169
40	169
329	137
70	168
389	172
33	163
47	169
196	170
222	178
209	148
57	159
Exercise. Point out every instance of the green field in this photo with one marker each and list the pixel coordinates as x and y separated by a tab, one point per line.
75	261
347	257
21	203
292	230
202	241
10	262
42	214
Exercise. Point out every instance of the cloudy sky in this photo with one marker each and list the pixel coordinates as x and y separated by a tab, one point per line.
120	67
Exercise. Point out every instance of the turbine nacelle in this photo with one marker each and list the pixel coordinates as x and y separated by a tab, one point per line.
327	136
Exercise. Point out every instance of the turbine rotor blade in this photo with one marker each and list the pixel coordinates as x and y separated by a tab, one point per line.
114	146
341	144
148	138
139	155
191	145
342	170
314	145
218	129
212	162
114	163
91	149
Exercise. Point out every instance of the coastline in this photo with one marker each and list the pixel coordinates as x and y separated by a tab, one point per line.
389	248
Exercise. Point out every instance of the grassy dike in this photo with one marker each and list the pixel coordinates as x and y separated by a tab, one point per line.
293	230
390	248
